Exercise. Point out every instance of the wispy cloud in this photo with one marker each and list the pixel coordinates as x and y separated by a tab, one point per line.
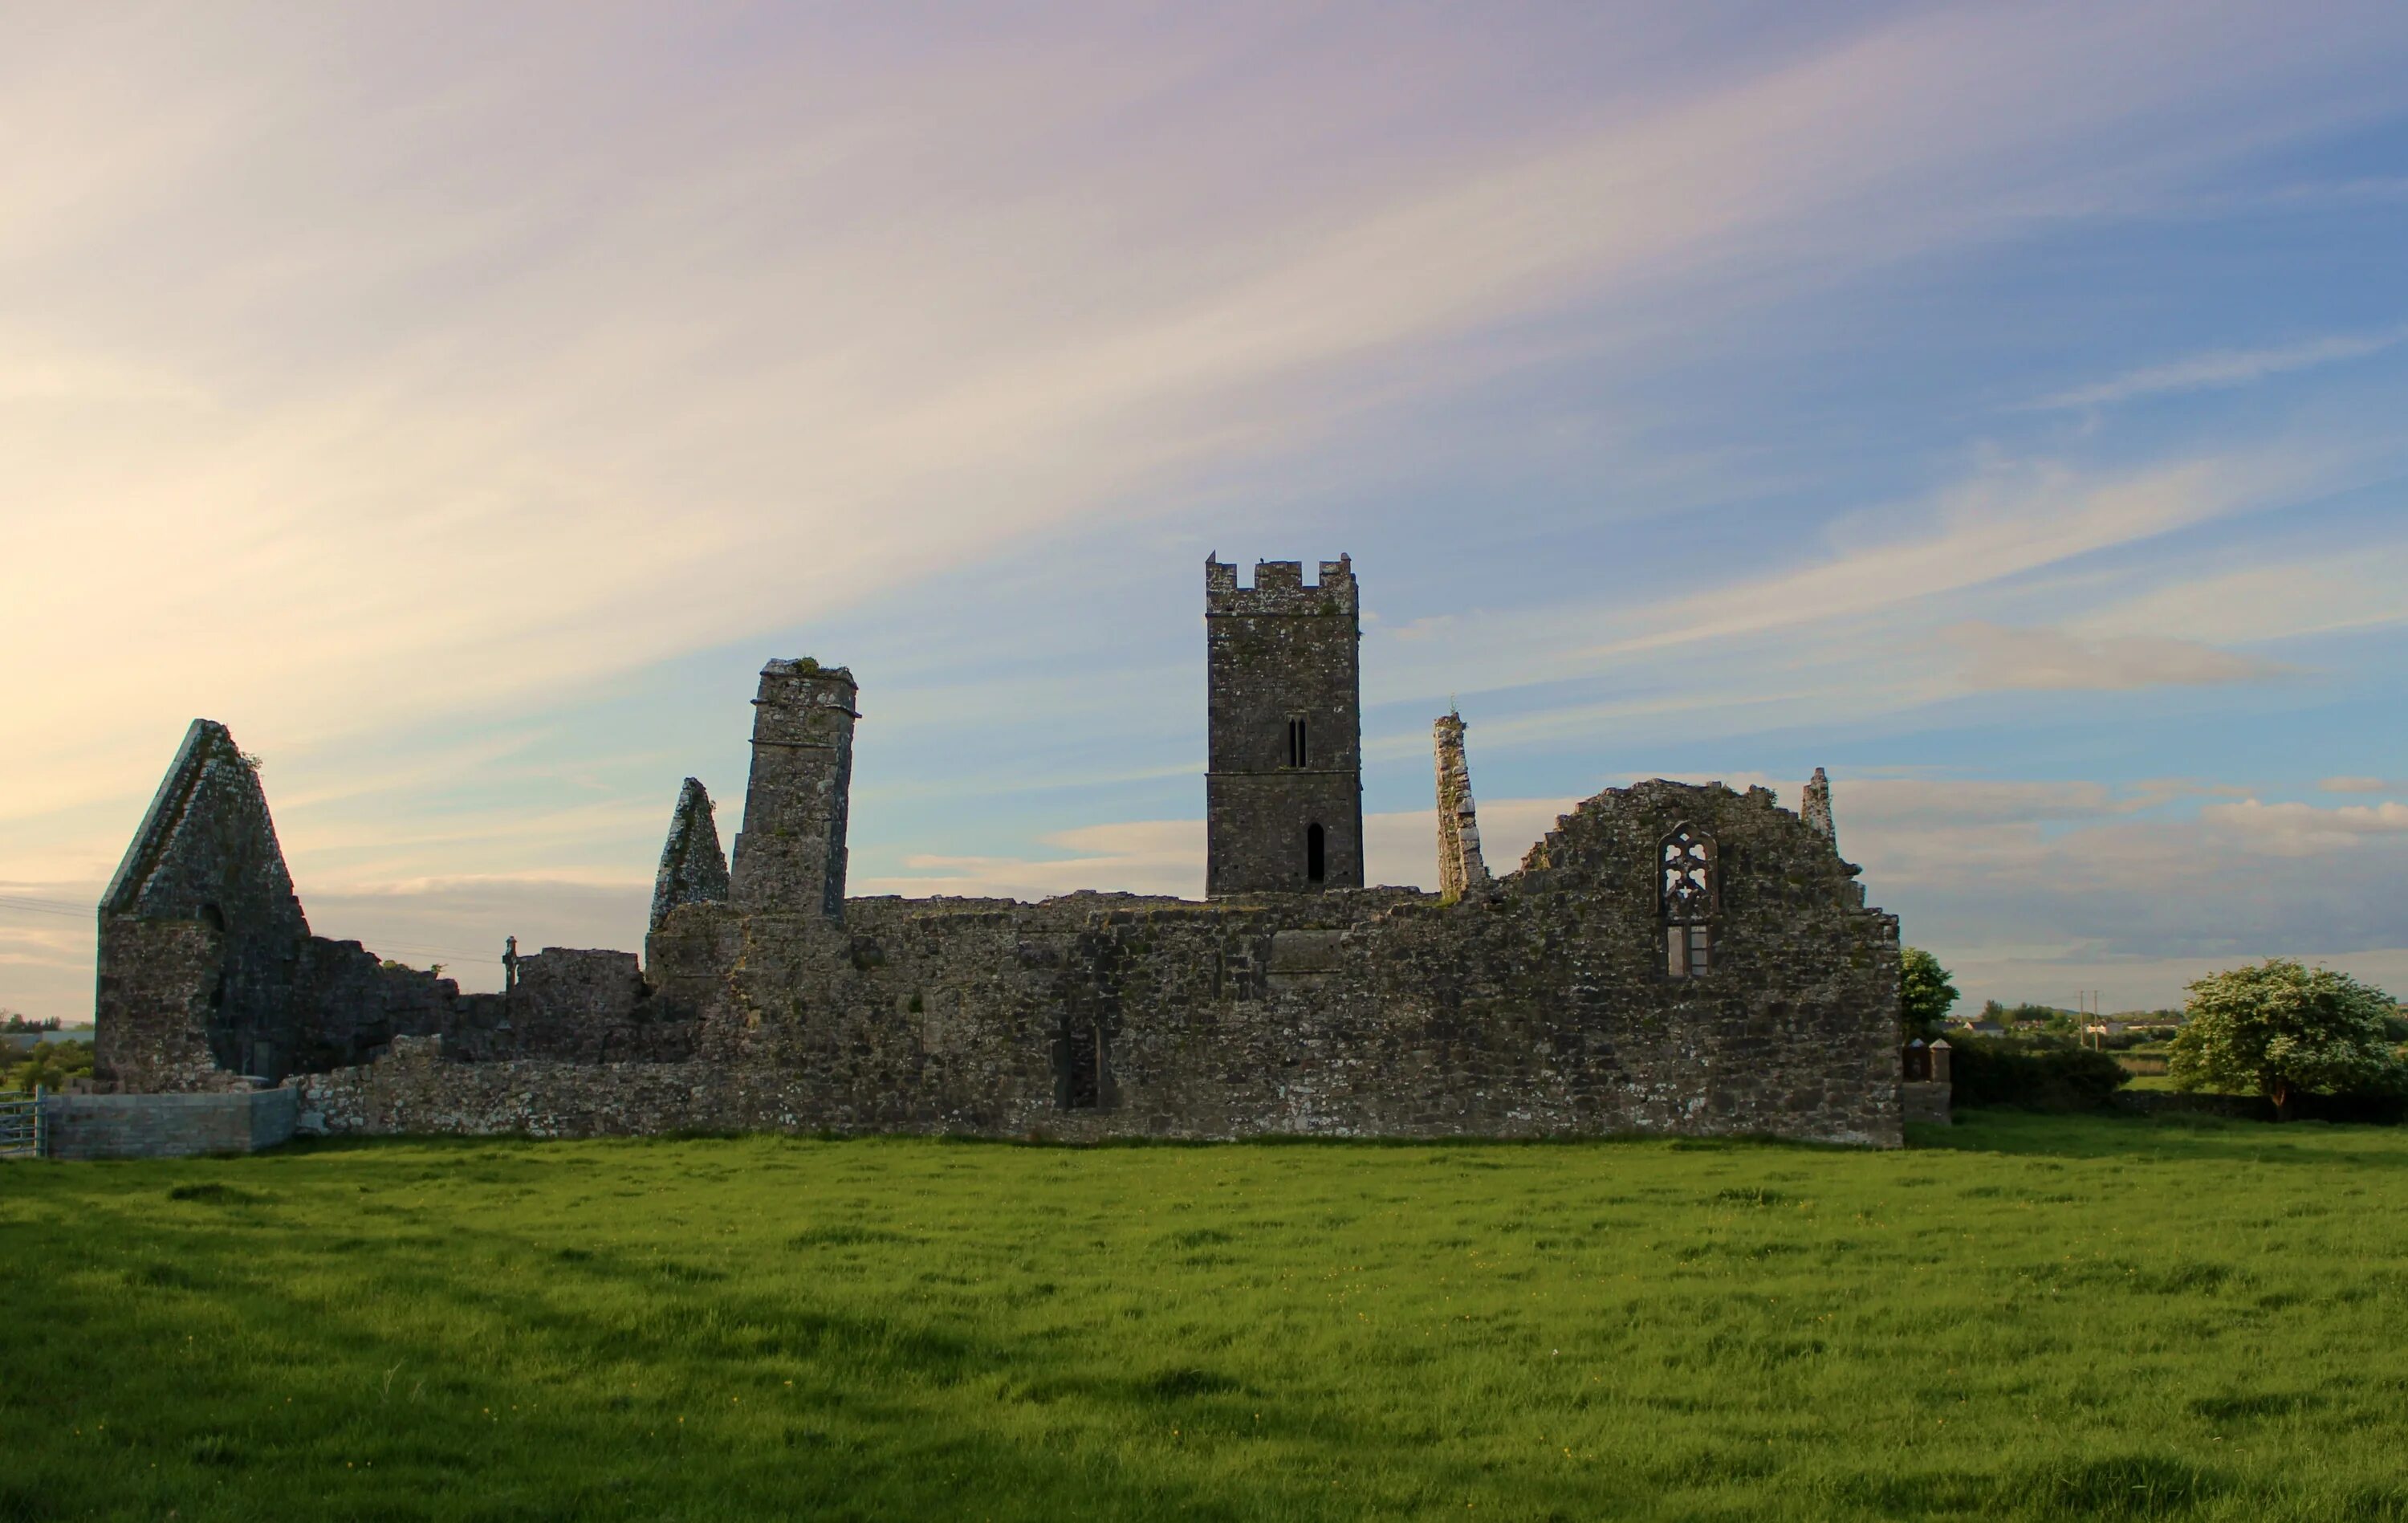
1998	656
2226	367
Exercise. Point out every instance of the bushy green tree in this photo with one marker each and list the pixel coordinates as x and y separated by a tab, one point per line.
1925	993
49	1064
2277	1028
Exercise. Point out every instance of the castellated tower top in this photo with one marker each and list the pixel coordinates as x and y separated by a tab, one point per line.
790	856
1279	587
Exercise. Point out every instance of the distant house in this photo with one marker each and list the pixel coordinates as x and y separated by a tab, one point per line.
1986	1028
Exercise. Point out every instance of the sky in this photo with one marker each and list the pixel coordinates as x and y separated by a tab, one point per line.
1998	405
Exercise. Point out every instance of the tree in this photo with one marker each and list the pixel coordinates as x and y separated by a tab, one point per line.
1925	993
2279	1029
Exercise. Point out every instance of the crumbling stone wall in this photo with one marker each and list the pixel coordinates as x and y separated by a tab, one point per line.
199	928
1286	730
159	984
1539	1006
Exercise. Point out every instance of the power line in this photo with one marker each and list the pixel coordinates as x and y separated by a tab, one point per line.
47	907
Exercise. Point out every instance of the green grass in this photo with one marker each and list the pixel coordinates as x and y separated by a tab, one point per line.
2024	1316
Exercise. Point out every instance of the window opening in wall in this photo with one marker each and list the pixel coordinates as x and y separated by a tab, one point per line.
1316	864
1688	903
1079	1059
1296	753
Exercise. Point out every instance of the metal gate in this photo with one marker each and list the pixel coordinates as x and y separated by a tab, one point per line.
20	1123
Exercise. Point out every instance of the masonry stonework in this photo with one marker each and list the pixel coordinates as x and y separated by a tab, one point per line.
1460	867
1283	772
1538	1003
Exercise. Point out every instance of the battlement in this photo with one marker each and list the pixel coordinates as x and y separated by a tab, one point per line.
1280	588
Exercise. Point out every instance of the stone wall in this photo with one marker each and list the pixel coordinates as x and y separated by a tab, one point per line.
206	857
1925	1100
1540	1007
1282	655
167	1126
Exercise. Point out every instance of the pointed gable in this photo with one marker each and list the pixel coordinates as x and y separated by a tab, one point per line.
693	869
207	848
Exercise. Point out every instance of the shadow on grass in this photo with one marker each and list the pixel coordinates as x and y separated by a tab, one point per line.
2105	1135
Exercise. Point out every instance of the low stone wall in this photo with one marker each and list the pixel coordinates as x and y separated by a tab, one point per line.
167	1126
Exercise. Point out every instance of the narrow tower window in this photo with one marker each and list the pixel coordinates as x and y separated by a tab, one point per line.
1315	863
1688	903
1079	1066
1296	748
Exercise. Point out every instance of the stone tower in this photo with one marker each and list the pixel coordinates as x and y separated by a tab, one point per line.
1815	808
790	855
1460	866
1283	781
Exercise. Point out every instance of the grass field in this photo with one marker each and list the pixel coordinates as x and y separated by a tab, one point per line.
2022	1316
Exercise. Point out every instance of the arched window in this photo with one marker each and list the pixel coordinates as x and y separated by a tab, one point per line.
1296	747
1689	902
1316	864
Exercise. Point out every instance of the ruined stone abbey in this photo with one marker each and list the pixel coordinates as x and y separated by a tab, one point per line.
1668	958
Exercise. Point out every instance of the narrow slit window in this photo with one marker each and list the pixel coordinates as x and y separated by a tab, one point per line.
1079	1057
1316	864
1296	744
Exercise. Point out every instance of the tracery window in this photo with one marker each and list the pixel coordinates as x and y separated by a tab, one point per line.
1689	902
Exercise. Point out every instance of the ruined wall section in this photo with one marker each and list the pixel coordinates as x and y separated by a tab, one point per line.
206	854
160	982
1284	721
1543	1008
790	855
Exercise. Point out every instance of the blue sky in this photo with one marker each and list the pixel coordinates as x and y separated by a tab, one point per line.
1998	405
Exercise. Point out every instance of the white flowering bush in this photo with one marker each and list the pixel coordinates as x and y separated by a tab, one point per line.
2278	1028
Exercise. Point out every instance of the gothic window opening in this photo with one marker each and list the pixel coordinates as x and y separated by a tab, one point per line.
1689	902
1296	746
1316	864
1079	1066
